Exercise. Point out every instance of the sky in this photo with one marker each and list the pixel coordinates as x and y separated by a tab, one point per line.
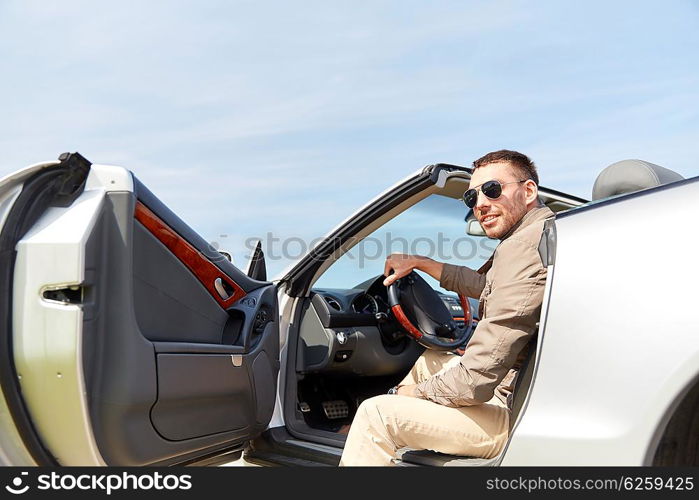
250	117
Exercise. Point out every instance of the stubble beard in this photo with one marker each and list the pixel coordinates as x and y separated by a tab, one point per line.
505	224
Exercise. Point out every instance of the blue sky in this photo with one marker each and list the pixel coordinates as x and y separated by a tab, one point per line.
247	117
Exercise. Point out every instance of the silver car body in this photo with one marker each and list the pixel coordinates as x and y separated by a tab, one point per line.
619	347
617	352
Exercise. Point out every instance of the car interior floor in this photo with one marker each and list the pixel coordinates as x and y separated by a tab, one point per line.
329	403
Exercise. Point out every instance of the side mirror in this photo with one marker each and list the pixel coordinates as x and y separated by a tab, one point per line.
256	268
474	228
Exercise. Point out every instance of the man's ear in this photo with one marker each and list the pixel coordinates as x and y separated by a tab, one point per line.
532	192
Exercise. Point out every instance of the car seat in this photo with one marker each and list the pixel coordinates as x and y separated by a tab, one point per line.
627	176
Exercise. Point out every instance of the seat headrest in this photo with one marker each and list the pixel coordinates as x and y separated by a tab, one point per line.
627	176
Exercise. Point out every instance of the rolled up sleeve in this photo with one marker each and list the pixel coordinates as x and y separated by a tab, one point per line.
512	311
462	280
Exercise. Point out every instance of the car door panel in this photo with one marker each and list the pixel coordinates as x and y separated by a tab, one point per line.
161	371
170	303
149	415
221	287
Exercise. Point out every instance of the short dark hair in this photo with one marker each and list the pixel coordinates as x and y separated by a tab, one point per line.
519	161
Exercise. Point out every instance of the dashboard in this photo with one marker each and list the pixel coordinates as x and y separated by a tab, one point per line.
352	330
371	297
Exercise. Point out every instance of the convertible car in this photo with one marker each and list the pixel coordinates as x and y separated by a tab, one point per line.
126	339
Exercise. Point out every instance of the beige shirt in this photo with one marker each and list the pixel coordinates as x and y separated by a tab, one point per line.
511	289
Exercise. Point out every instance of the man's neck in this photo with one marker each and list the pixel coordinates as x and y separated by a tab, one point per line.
524	221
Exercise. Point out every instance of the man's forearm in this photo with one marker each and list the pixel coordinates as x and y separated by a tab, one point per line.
429	266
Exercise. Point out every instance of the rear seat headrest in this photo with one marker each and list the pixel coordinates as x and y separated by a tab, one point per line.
627	176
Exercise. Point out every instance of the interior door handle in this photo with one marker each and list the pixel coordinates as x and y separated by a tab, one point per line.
221	289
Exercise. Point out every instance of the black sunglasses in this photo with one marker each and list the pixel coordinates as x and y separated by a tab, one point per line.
492	189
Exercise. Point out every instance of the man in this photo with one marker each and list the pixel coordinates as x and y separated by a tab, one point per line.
461	404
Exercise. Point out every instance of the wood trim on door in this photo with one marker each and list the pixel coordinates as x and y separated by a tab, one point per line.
225	293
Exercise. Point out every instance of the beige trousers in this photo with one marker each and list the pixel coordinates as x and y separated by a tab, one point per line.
386	423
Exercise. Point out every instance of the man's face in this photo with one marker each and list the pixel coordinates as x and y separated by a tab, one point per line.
498	216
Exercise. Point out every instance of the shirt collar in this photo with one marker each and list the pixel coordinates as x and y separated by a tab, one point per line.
534	215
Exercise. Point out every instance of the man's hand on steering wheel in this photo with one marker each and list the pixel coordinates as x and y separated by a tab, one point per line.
397	265
418	307
403	264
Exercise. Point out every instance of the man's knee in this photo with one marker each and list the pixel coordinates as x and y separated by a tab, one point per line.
431	362
369	406
370	412
431	355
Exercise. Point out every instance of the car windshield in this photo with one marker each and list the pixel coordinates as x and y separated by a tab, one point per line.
434	227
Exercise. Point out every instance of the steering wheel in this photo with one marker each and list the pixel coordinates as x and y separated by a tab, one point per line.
422	314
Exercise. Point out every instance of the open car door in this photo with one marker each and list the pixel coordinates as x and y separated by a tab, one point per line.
125	339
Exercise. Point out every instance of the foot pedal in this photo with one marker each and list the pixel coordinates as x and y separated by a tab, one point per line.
336	409
303	406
